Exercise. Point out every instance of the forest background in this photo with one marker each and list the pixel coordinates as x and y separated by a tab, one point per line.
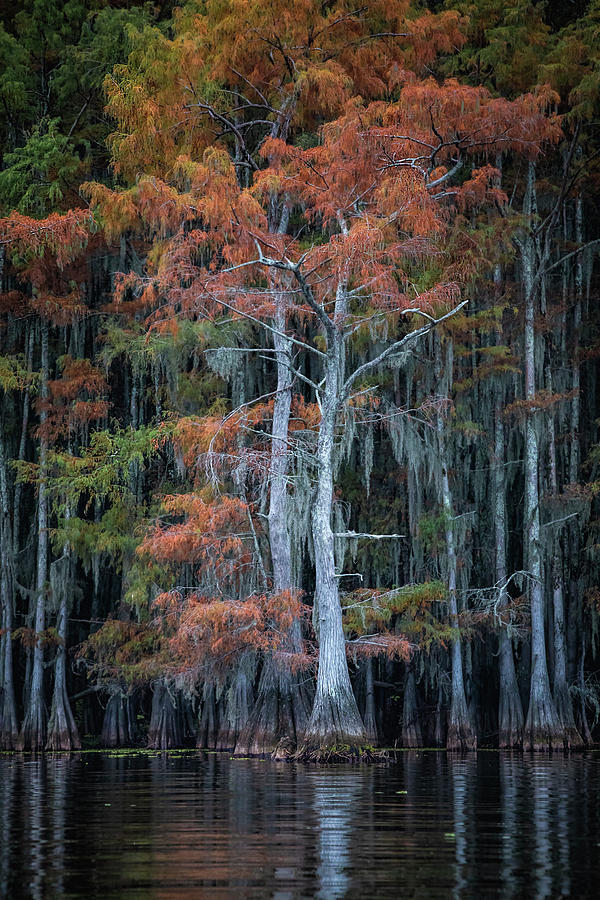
299	404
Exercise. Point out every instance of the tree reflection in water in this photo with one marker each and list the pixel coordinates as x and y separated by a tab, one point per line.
430	825
334	803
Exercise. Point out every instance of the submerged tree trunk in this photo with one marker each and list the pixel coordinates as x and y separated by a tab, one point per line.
543	729
33	731
335	721
510	708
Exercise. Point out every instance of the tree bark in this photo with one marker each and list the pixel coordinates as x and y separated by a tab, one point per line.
543	729
236	713
369	717
9	729
510	708
33	730
560	686
411	728
62	730
335	721
280	712
165	722
461	735
118	728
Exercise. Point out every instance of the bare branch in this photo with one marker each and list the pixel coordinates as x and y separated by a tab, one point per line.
397	347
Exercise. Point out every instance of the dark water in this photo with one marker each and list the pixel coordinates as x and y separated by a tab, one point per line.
202	825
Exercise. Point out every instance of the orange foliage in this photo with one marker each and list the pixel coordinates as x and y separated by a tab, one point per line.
73	402
208	631
210	533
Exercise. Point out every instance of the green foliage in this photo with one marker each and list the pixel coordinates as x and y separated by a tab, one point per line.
506	44
38	175
432	531
14	376
408	609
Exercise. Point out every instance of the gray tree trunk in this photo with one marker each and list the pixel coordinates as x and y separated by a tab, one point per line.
411	728
510	708
118	725
335	721
62	730
33	731
543	729
281	709
461	734
165	732
560	686
9	729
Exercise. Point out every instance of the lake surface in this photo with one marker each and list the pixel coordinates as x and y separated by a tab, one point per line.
194	825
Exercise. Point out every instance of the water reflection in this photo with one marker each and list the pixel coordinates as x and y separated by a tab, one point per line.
334	801
511	768
204	825
462	772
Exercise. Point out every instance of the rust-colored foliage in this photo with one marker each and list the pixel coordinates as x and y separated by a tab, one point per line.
208	631
74	400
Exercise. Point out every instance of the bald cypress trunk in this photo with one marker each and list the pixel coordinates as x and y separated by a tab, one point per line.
370	717
560	686
118	724
62	730
543	729
461	734
33	730
165	732
236	709
335	720
281	709
9	729
510	708
411	728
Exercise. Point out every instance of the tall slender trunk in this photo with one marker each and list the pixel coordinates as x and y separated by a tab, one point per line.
62	730
510	708
576	374
560	686
335	720
9	729
542	727
370	717
33	731
461	735
411	728
9	543
280	712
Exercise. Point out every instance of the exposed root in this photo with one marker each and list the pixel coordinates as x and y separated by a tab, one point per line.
341	753
461	736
